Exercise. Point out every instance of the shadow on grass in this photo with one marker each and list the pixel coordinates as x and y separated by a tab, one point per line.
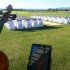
39	28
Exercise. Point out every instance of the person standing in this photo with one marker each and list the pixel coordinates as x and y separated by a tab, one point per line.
5	17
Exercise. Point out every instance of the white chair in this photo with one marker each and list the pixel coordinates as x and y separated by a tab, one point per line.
19	24
27	24
39	22
60	20
34	23
9	25
66	20
15	23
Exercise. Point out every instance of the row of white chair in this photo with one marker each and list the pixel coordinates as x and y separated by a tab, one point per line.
64	20
57	19
21	24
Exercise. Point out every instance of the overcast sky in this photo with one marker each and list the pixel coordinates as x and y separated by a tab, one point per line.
35	4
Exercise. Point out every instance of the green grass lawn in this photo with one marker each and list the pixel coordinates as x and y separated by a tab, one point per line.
31	13
17	45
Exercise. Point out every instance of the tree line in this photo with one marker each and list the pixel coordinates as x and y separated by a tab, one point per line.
50	9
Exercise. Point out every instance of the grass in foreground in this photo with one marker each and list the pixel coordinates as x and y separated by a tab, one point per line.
17	45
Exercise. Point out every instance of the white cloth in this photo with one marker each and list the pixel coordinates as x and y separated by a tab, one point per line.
19	24
27	24
34	23
40	23
9	25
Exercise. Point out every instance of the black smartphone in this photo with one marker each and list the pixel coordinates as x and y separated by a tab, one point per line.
40	57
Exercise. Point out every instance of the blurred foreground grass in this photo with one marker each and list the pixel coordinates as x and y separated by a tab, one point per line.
17	45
